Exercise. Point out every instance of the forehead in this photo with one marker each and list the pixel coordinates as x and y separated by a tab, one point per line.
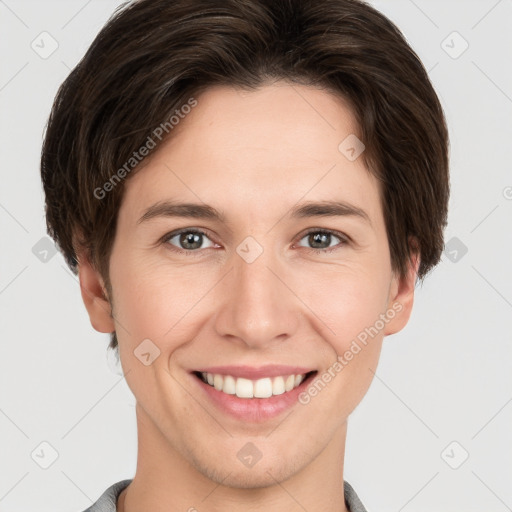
276	117
276	144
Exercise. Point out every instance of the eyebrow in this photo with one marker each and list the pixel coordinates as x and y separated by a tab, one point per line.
204	211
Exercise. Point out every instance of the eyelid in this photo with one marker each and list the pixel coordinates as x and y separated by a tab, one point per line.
342	236
172	234
345	239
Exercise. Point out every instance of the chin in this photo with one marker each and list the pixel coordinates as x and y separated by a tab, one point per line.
252	478
266	472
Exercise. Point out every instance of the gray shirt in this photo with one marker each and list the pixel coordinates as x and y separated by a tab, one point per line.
108	500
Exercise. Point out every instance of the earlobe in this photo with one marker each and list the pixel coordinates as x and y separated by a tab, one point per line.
94	296
401	298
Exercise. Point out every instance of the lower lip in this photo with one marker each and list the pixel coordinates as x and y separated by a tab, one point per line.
255	410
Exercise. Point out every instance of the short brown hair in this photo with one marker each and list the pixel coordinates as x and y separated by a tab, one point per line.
152	56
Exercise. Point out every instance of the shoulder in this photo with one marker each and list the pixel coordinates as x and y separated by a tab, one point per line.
108	500
352	499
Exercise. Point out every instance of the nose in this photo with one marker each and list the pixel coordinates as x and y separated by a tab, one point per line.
257	304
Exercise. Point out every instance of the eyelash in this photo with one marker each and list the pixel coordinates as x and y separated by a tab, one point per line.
344	240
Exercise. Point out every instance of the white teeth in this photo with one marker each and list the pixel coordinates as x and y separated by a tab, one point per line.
246	388
229	386
263	388
217	382
278	386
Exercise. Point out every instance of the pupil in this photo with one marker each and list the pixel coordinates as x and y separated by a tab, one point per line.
191	240
318	237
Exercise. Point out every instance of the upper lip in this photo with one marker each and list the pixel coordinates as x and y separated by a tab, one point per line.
254	373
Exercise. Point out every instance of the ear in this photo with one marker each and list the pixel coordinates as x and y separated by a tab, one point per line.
401	296
94	295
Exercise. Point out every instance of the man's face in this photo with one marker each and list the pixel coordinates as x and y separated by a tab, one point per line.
252	291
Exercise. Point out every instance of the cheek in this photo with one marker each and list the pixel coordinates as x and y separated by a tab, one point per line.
350	307
345	301
153	297
156	300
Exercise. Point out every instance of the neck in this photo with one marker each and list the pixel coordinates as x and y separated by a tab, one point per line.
167	479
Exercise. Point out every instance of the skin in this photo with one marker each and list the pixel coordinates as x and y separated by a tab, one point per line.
253	156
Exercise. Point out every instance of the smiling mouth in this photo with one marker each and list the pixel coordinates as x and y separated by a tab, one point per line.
259	388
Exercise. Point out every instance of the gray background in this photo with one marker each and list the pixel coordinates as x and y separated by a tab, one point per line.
443	389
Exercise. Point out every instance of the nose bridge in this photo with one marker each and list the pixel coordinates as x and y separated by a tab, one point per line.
257	307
